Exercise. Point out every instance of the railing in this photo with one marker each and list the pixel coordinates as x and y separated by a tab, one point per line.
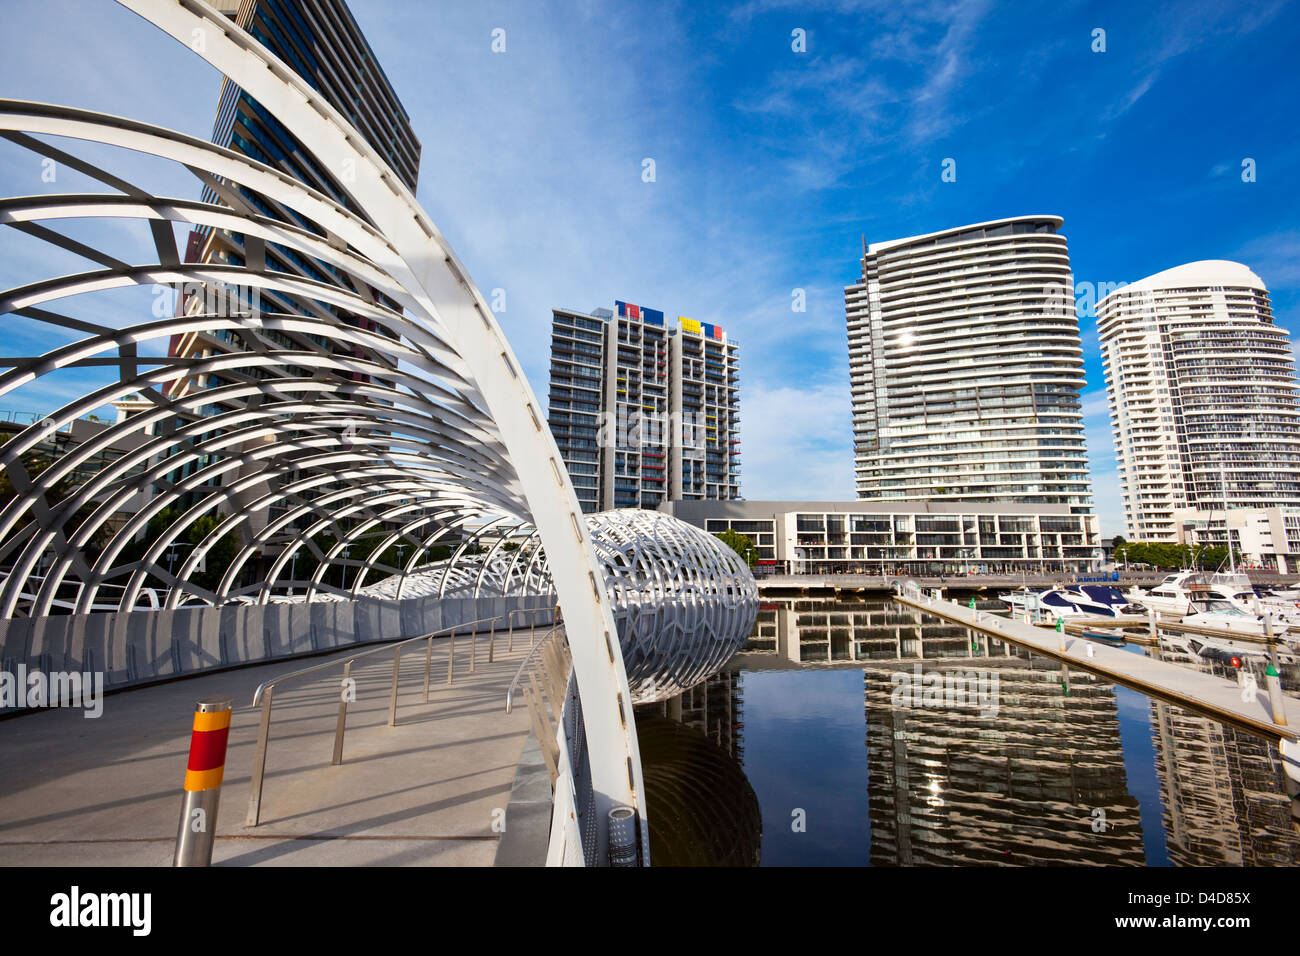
546	668
266	691
510	622
547	679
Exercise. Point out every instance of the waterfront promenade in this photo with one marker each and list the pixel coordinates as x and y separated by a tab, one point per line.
975	582
430	791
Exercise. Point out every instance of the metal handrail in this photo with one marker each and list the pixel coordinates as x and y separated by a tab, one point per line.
510	626
265	692
524	664
547	722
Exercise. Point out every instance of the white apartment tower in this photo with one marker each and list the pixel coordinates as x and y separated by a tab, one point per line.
644	412
966	367
1202	390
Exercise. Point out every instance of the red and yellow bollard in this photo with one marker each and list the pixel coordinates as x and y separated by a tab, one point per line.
203	775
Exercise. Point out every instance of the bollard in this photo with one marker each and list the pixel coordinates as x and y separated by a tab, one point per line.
1060	631
203	775
1152	630
1272	676
1088	648
622	837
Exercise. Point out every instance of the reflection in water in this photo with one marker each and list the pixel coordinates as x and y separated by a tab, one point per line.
1041	781
1225	794
1049	770
702	810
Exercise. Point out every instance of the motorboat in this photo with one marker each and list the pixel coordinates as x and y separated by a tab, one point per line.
1098	636
1175	594
1225	650
1168	597
1224	615
1053	603
1112	597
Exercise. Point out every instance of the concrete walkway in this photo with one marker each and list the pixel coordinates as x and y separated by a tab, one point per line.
1204	693
107	791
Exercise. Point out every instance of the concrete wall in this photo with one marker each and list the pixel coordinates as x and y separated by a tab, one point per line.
140	647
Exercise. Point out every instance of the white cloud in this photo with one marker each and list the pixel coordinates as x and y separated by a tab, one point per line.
797	441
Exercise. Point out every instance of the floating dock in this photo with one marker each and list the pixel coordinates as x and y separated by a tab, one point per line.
1204	693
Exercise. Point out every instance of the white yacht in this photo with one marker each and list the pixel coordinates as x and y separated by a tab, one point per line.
1224	649
1176	592
1168	597
1054	602
1209	611
1105	594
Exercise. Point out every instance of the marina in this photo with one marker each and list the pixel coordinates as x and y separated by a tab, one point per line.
818	711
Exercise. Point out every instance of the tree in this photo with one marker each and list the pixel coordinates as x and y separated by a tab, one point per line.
740	543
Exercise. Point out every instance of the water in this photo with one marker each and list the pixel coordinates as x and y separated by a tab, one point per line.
832	726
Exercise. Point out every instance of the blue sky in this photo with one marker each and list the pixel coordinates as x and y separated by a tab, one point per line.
771	165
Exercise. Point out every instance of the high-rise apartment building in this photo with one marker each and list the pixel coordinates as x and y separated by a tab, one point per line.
644	412
966	367
1202	389
320	40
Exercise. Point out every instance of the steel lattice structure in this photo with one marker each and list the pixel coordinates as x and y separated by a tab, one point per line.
684	601
409	426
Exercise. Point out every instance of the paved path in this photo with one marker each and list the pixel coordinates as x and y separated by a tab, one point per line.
1202	692
426	792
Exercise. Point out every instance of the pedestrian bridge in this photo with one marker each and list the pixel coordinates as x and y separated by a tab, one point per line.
325	439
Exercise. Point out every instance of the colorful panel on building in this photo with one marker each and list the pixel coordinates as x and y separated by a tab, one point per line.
629	311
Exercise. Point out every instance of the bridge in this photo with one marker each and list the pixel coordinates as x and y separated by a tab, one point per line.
365	462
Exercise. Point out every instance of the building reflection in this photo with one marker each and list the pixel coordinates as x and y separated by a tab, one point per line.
1041	780
1227	799
1038	780
702	810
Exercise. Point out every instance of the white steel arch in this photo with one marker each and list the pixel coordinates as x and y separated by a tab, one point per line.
421	416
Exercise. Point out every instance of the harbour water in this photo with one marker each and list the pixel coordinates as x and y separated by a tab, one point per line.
862	732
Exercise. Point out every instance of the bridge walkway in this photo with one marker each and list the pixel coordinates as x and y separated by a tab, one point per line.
430	791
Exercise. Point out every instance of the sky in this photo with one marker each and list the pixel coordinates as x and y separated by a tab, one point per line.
771	164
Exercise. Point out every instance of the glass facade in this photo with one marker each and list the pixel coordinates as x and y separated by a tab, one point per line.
966	368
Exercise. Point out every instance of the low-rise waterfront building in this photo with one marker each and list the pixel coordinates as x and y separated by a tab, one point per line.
1267	538
915	537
